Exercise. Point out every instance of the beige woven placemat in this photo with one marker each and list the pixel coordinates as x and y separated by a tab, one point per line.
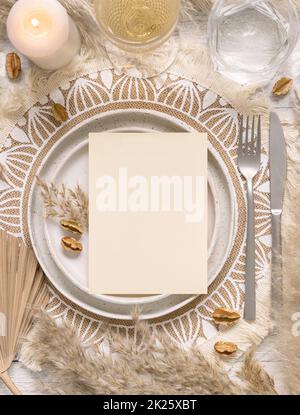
199	108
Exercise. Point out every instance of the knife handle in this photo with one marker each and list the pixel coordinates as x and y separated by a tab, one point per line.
250	284
277	283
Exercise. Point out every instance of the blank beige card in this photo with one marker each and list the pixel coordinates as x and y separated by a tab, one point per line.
148	213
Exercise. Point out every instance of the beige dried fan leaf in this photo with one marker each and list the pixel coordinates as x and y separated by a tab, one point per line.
22	289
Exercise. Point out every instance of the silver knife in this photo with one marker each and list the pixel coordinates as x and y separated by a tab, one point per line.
278	172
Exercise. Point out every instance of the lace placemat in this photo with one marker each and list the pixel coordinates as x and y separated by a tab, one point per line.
200	109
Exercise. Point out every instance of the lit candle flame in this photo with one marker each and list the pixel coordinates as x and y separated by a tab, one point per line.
35	23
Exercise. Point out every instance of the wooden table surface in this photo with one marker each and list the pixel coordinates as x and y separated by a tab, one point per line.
269	358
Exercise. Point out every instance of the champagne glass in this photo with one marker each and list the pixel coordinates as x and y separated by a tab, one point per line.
141	28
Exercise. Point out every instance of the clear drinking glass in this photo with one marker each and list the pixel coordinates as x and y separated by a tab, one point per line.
137	25
250	39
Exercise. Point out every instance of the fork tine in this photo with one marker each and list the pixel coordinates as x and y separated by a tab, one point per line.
240	140
252	145
247	136
258	140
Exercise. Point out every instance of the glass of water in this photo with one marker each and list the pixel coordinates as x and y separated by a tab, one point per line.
250	39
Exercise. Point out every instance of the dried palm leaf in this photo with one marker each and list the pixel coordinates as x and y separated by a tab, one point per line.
22	289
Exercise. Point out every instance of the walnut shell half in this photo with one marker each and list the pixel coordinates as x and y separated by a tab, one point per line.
59	112
282	86
72	226
13	65
71	245
225	348
225	316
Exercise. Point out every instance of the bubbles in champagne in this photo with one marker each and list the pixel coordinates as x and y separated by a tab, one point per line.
137	21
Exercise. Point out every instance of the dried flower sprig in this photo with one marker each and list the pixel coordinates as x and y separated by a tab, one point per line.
258	380
142	362
62	202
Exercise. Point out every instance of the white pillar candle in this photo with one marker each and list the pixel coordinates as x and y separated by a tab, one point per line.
43	31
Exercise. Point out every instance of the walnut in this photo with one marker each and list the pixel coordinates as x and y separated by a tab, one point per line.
225	348
225	316
13	66
59	112
72	226
282	86
71	244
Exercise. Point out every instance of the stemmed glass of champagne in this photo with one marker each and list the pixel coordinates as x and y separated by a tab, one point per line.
138	28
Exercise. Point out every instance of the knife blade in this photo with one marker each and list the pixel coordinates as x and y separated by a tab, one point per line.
278	176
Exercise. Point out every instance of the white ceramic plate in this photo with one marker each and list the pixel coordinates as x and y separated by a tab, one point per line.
67	162
76	267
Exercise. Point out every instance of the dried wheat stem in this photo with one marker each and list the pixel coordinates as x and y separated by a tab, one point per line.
64	203
9	383
258	380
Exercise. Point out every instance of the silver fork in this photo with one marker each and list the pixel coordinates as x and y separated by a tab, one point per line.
249	157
